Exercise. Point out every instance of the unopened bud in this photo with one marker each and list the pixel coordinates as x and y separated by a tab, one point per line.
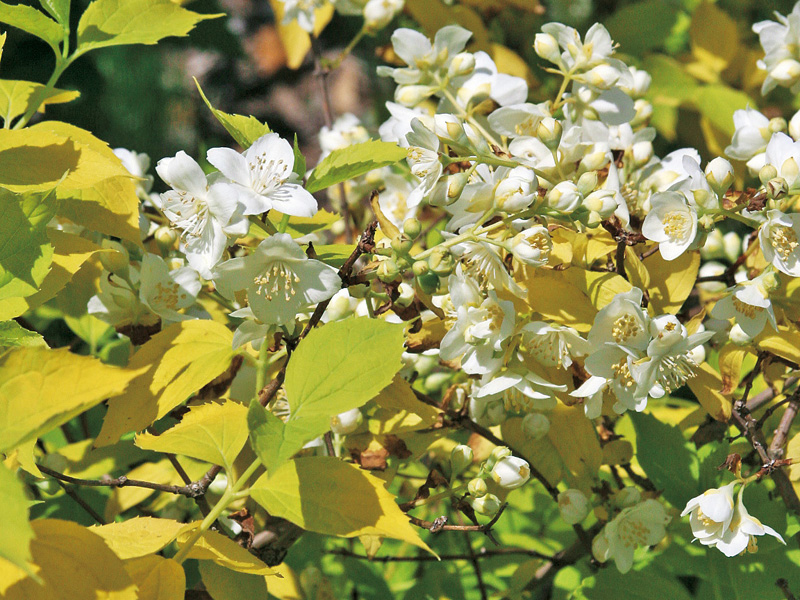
739	337
441	262
462	64
767	173
777	124
411	95
428	283
794	126
499	453
643	110
412	228
420	268
587	183
777	188
627	496
770	282
603	76
564	197
549	132
406	296
511	472
532	246
460	459
546	46
117	260
347	422
535	426
642	152
165	238
487	504
719	174
455	185
477	488
388	271
402	245
573	505
731	244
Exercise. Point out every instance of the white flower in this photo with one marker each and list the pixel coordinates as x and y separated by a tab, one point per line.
621	321
479	333
398	125
783	153
346	131
640	525
564	197
596	47
347	422
611	367
395	198
532	246
518	120
573	505
302	11
778	238
486	82
117	303
481	261
516	188
750	138
553	345
423	158
205	214
521	389
263	174
166	291
780	42
137	164
672	223
742	531
279	278
748	304
511	472
378	13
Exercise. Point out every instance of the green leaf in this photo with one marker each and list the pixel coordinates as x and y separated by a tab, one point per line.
301	226
352	161
225	584
17	532
12	335
34	22
642	26
338	367
671	85
329	496
663	454
25	251
121	22
58	9
299	160
245	130
15	97
717	103
334	254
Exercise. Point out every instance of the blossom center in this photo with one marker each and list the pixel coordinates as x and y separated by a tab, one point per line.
276	279
624	328
784	241
527	127
167	294
748	310
191	212
267	173
622	373
677	225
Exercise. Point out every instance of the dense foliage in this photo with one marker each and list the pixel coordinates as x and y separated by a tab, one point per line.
535	335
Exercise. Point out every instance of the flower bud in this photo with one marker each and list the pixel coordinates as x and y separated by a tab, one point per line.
546	46
441	262
477	488
388	271
587	183
420	267
642	152
731	245
460	459
511	472
406	296
436	382
532	246
719	174
766	173
487	504
378	13
411	95
594	161
549	132
340	306
627	496
712	269
347	422
116	261
219	485
602	202
412	228
573	506
165	238
643	110
516	191
770	282
535	426
794	126
402	245
739	337
455	185
462	64
603	76
428	283
498	453
777	188
777	124
564	197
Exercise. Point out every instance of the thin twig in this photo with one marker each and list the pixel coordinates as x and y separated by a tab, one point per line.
482	553
784	587
190	491
776	448
440	524
201	501
620	259
82	503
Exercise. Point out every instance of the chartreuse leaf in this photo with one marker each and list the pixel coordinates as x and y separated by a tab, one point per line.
671	281
352	161
300	226
62	547
329	496
397	410
730	367
223	551
784	343
663	454
718	102
225	584
34	22
12	334
211	432
58	9
174	364
295	40
25	251
138	536
70	253
15	97
245	130
121	22
40	389
338	367
157	578
714	37
17	532
707	386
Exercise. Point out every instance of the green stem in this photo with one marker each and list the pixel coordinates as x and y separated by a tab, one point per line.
41	95
732	215
229	496
283	224
560	97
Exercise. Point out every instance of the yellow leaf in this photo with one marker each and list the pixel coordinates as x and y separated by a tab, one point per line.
74	563
570	452
223	551
707	386
17	532
43	388
111	207
138	536
397	410
157	578
86	462
730	367
671	281
617	452
635	269
714	36
70	252
225	584
344	500
287	586
793	452
429	336
296	41
177	362
211	432
511	63
784	343
15	95
435	14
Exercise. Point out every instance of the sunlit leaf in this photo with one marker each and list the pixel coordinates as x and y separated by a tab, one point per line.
17	532
352	161
245	130
223	551
157	578
226	584
34	22
138	536
15	97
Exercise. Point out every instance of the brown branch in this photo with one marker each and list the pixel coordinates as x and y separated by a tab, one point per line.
482	553
81	502
201	501
191	490
440	524
776	448
620	259
784	587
